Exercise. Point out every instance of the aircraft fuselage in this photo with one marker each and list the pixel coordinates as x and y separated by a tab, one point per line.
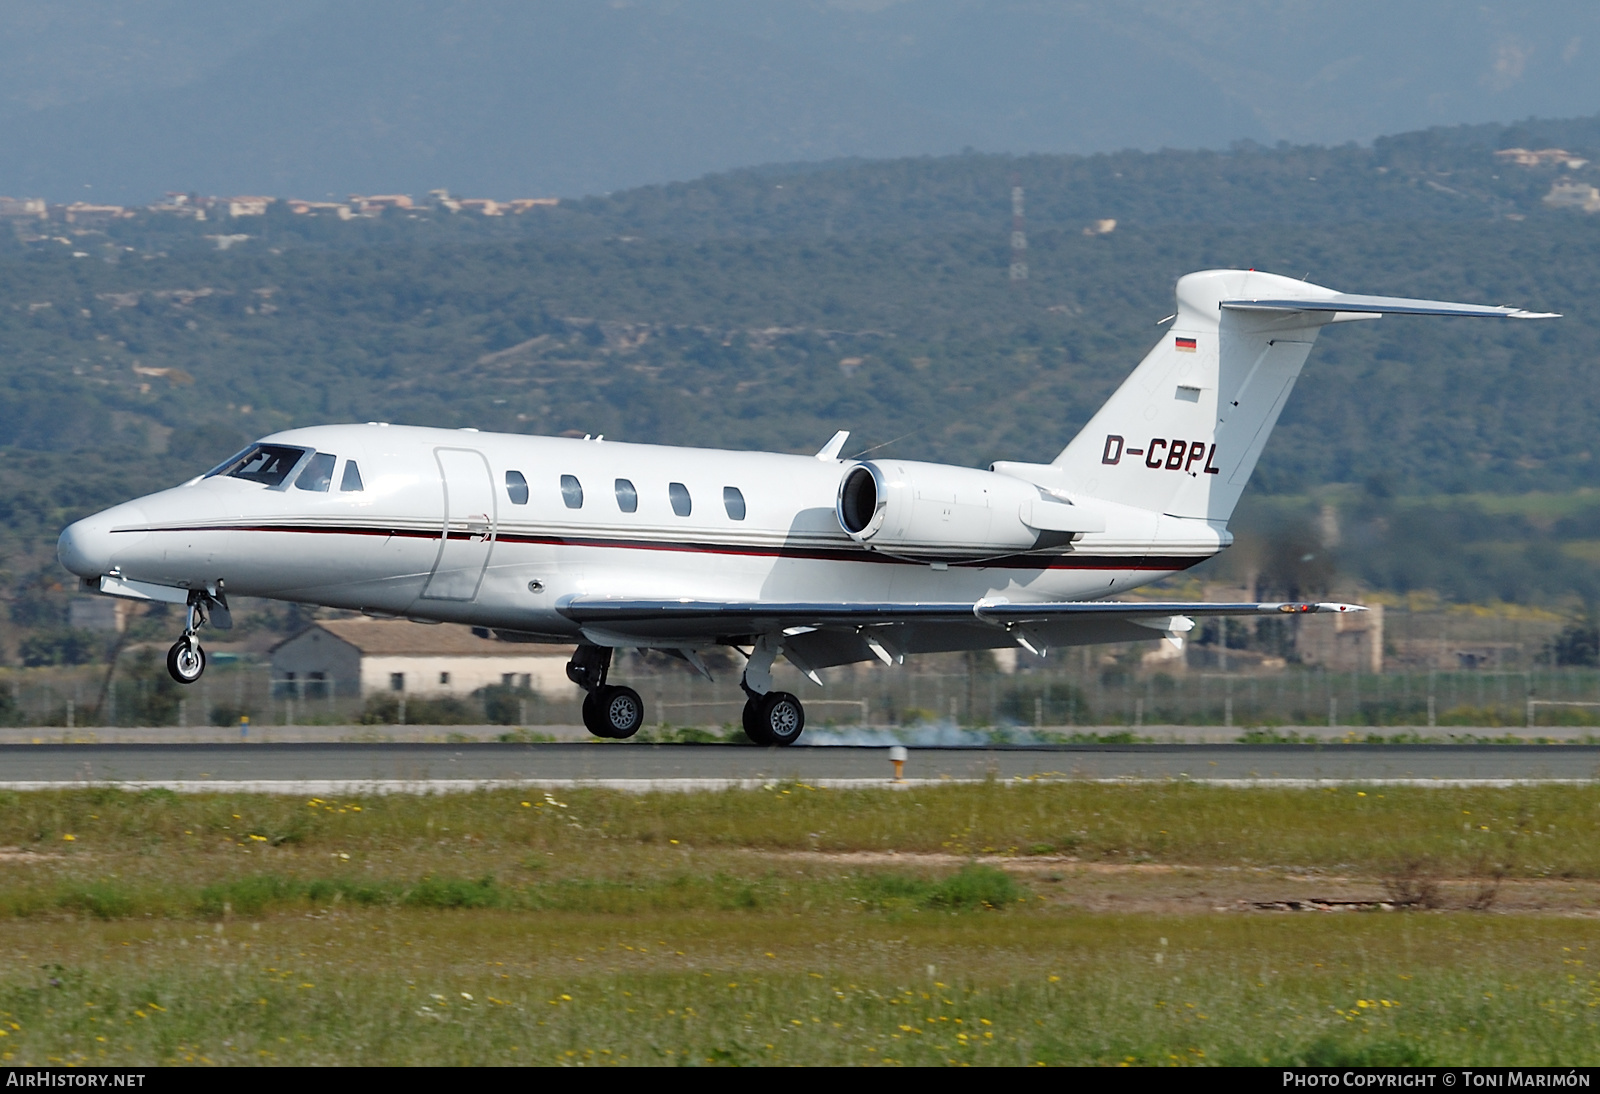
441	528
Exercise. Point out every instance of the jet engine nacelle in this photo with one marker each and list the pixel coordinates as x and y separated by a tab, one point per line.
899	505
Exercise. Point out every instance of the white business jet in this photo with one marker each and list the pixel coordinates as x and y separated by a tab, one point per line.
826	561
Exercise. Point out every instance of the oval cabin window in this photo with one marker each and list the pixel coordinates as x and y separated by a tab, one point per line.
627	496
678	494
733	502
572	491
517	487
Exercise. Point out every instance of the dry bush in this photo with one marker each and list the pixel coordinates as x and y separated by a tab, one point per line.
1411	884
1488	892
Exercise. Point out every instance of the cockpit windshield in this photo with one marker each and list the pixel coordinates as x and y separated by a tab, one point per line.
268	464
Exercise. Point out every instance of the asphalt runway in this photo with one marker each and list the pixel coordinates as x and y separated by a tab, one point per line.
302	767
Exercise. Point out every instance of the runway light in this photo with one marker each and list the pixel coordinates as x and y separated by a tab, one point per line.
897	756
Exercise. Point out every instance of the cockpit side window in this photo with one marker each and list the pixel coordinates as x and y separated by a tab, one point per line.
351	482
318	475
517	487
268	464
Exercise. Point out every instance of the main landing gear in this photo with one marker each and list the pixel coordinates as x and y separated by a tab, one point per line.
770	717
775	718
609	710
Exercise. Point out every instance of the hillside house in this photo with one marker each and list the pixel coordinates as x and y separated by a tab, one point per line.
248	206
85	215
1543	157
31	208
1574	195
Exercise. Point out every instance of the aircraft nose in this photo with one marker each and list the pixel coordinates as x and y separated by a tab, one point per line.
86	546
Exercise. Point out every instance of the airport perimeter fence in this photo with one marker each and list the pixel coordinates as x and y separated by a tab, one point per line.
1058	701
1069	701
244	695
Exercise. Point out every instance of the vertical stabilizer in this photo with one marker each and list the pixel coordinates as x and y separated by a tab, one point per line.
1184	431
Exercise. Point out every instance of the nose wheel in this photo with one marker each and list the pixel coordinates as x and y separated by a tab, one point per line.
186	660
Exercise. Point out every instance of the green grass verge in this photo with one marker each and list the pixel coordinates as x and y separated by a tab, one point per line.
969	888
791	925
1523	831
488	987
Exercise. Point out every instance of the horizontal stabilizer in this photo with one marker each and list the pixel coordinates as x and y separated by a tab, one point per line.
1386	305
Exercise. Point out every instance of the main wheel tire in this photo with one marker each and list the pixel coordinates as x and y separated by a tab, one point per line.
593	716
186	661
621	711
752	721
781	718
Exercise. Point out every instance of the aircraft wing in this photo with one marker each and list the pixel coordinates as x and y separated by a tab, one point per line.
835	633
711	617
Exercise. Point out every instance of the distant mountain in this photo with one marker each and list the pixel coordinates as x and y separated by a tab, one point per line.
123	99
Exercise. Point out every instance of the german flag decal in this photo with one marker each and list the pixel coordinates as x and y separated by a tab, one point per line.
1185	345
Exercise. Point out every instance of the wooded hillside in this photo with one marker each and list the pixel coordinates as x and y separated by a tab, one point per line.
767	308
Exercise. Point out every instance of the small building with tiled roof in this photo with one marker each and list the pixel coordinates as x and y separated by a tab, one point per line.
367	656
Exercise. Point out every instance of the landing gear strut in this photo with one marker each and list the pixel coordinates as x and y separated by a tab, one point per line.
186	660
609	710
770	717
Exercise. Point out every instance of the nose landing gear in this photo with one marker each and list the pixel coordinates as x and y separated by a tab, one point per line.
609	710
186	661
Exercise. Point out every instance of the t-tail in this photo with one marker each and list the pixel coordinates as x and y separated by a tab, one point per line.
1182	434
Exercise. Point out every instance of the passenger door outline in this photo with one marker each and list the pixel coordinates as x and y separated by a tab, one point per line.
470	524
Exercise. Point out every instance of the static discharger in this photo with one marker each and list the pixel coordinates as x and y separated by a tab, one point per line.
897	756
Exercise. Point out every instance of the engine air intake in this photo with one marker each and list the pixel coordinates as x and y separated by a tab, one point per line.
858	500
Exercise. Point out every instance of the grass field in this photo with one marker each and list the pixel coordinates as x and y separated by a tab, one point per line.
970	924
